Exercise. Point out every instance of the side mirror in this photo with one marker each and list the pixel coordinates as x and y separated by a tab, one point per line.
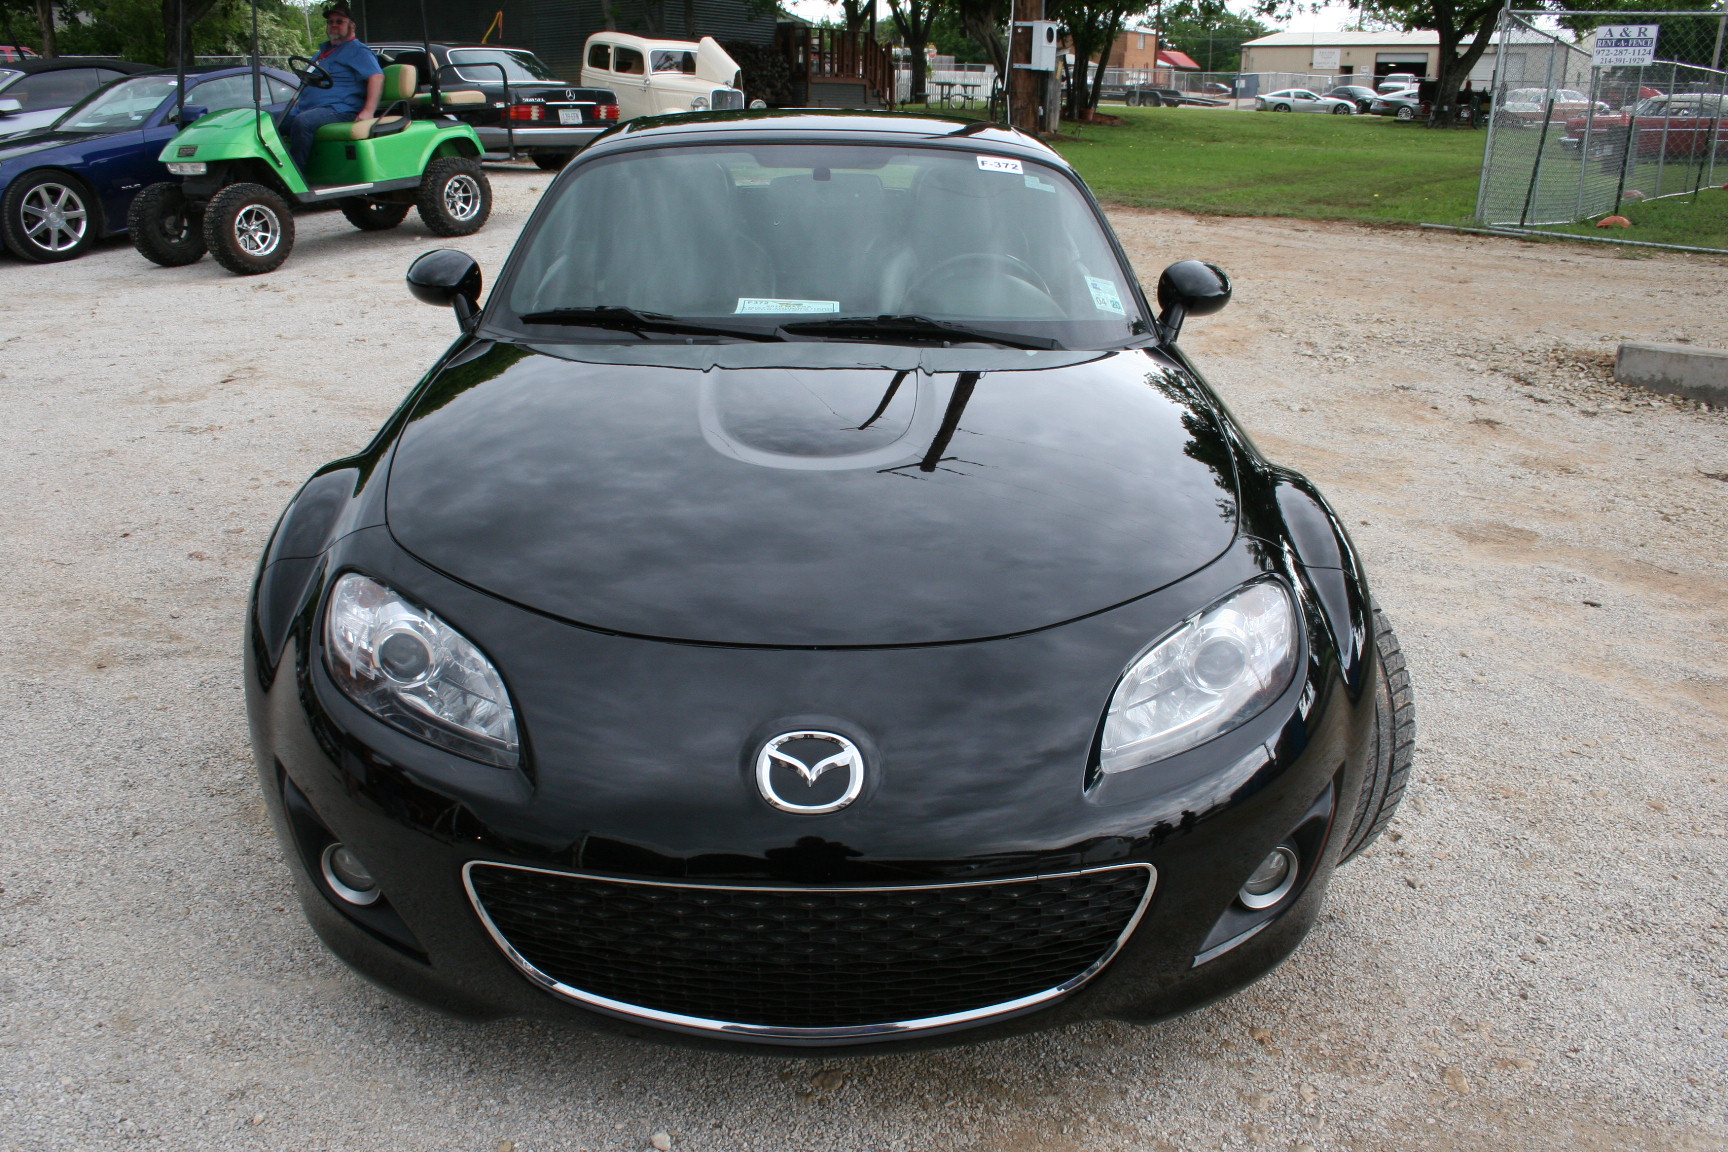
1190	288
7	107
191	112
447	277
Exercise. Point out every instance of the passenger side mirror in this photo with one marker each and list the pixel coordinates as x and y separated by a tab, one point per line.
192	112
1190	288
447	277
7	107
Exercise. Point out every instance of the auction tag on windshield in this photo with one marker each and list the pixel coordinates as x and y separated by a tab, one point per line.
759	306
1105	298
1000	164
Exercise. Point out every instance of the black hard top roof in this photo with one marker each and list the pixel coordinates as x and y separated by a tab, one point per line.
825	125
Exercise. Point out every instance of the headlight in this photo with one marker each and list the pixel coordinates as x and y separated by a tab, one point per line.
194	168
699	104
410	669
1213	673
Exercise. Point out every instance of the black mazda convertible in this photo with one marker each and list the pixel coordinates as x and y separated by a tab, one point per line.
815	602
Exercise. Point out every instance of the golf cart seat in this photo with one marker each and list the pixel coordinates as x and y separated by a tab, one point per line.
400	81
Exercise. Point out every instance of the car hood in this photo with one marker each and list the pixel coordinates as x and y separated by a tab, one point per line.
25	143
812	495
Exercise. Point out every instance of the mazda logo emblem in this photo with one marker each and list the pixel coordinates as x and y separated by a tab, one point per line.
809	772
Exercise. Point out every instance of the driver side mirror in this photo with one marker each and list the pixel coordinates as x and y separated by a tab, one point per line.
190	113
7	107
1190	288
445	276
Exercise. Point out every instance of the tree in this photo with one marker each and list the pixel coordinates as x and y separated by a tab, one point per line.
983	21
1209	32
913	20
1090	27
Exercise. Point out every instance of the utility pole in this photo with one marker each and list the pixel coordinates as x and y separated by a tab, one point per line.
1025	87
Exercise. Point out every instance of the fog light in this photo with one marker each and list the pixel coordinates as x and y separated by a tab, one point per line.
347	876
1272	881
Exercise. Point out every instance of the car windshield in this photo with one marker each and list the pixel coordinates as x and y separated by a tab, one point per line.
7	75
750	238
119	106
666	60
519	67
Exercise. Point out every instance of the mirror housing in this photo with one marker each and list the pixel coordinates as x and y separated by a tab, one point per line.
1190	288
190	113
7	107
445	276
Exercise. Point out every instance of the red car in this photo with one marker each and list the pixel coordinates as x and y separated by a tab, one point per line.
1672	127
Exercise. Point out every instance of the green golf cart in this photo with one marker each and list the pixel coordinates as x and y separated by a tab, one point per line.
238	186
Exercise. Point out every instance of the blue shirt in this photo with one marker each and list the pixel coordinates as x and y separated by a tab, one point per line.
349	65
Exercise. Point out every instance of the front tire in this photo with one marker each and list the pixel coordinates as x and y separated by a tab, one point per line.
248	229
48	217
373	215
455	198
1406	113
551	161
163	230
1341	110
1394	743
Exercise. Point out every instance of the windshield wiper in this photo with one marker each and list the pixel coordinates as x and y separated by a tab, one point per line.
887	327
630	320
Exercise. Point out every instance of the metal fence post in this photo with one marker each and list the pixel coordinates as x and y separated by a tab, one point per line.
1584	142
1494	100
1631	145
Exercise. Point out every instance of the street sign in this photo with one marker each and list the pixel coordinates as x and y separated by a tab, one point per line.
1624	46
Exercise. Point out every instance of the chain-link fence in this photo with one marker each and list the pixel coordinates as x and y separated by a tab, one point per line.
1590	110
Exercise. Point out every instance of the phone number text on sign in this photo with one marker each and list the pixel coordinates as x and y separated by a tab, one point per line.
1624	46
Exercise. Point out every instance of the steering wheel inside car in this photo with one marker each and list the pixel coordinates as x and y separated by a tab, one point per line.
310	74
940	283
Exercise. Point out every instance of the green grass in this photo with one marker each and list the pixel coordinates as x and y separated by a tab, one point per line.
1699	223
1369	169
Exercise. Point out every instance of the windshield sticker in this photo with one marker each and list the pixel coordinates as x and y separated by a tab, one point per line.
759	306
1041	185
1105	297
1000	164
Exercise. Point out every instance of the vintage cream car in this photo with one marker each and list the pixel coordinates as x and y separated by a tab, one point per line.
661	77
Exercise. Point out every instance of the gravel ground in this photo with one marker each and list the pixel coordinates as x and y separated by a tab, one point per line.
1533	958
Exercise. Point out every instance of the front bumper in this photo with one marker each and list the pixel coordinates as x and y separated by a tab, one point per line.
550	139
425	820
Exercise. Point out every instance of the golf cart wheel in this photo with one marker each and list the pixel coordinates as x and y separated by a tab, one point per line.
455	197
1406	113
372	215
48	216
163	229
1280	107
551	161
1394	744
249	229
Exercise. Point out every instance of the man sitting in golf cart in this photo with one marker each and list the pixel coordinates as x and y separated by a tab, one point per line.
357	81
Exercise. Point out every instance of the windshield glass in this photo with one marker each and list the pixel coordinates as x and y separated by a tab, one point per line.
750	238
666	60
117	107
518	66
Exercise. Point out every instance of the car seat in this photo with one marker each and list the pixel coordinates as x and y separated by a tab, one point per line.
399	84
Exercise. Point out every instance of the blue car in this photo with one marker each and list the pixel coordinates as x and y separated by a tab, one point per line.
65	186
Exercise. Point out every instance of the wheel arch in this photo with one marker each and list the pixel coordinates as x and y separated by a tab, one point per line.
93	199
461	145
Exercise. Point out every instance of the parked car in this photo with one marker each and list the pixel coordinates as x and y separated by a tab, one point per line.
523	105
1397	82
34	93
64	186
1361	96
11	52
813	602
1406	105
1214	88
1522	107
662	77
1673	127
1302	100
1149	97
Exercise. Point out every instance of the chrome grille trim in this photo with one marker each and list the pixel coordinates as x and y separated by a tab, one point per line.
791	1035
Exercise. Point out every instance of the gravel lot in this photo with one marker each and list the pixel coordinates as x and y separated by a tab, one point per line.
1535	958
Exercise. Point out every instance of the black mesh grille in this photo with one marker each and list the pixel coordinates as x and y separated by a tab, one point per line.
810	958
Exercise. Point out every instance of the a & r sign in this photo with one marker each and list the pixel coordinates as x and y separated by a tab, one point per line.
1624	46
